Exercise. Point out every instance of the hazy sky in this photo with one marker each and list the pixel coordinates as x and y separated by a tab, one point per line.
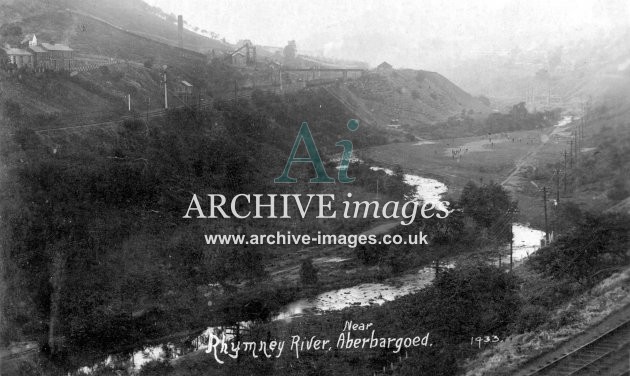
402	32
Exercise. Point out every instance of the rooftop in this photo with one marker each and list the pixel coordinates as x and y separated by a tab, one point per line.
56	47
16	51
37	49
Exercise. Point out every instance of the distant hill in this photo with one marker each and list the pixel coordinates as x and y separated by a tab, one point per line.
409	97
573	72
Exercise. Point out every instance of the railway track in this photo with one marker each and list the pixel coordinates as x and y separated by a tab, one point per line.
606	354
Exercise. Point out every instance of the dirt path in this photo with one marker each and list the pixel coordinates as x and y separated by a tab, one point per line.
512	180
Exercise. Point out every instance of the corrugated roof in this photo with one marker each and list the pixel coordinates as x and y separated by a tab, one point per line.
16	51
56	47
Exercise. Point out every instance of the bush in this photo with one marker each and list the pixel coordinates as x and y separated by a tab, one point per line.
619	190
566	317
134	125
531	317
155	368
148	63
588	252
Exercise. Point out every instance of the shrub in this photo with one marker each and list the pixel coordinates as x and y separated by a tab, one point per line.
149	63
134	125
156	367
531	317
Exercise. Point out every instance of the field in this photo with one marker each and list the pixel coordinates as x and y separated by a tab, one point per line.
507	158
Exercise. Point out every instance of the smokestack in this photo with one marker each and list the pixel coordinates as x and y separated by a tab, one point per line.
180	31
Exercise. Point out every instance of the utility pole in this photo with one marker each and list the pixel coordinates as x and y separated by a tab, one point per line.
129	102
565	172
577	148
571	154
281	90
558	185
165	90
546	219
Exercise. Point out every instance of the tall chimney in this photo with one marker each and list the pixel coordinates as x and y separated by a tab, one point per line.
180	31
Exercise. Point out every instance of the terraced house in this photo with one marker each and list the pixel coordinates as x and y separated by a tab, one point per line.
42	56
19	57
58	56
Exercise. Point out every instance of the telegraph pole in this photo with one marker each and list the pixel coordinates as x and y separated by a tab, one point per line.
165	89
558	185
565	171
546	219
578	146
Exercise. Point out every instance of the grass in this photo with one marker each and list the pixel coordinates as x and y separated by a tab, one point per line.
568	320
482	162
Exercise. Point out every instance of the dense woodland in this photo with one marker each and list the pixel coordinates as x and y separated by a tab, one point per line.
98	257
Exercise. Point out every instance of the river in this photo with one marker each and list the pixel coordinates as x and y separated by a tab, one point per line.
526	241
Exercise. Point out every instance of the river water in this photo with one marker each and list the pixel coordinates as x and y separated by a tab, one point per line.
526	241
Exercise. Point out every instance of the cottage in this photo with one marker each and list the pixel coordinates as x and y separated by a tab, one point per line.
19	57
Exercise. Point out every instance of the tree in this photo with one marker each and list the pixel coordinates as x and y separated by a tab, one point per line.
519	111
488	205
290	51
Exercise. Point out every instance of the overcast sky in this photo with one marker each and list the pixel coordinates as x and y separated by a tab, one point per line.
403	31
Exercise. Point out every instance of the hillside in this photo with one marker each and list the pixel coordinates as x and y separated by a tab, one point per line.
410	97
134	16
572	72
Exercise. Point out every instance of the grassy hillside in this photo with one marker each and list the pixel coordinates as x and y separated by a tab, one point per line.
135	16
